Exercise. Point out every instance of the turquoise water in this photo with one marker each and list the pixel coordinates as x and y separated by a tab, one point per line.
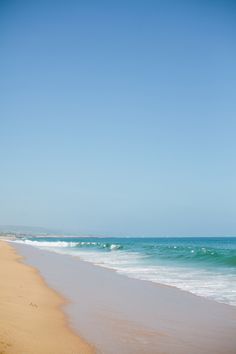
203	266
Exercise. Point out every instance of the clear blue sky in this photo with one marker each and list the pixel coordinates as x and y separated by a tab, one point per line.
119	117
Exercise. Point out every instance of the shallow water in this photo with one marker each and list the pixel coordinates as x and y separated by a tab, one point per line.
203	266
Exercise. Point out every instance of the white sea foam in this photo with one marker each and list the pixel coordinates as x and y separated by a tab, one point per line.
219	286
68	244
50	244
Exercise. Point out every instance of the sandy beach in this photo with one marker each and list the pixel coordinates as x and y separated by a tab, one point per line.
31	319
111	312
117	314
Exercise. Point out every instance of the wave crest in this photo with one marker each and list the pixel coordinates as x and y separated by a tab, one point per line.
70	244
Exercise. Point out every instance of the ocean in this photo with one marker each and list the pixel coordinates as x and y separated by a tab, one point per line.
200	265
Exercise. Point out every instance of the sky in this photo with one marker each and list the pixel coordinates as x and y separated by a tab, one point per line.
118	118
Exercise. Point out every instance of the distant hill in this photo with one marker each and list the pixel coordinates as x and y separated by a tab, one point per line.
19	229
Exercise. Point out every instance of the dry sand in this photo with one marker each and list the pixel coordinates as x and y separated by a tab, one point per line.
31	319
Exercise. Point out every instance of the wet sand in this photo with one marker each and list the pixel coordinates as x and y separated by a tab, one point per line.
31	319
122	315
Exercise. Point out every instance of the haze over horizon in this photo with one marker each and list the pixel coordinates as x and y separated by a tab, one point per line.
43	231
119	118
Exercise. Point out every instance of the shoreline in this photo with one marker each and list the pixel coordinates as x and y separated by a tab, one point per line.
158	284
117	271
201	266
32	320
120	314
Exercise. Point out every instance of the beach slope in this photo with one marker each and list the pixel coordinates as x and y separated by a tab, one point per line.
31	320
